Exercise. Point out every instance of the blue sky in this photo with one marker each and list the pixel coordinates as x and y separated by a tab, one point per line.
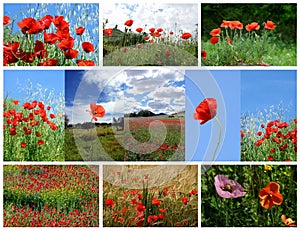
201	140
263	89
16	84
119	92
85	15
170	17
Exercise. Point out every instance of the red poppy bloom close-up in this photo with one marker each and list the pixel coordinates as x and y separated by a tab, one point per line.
139	30
203	54
85	62
128	23
206	110
269	25
288	221
96	111
252	26
71	54
108	32
215	32
6	20
214	40
30	26
80	30
87	47
270	195
152	30
186	35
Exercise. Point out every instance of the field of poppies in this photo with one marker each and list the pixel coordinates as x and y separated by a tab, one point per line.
275	140
164	141
154	139
140	45
50	196
241	196
143	196
66	37
252	44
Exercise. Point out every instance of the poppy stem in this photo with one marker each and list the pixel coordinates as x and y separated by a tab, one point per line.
219	139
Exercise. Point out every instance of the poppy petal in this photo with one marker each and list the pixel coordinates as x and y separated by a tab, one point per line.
273	186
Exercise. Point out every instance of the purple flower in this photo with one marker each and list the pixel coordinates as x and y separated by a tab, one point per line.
227	188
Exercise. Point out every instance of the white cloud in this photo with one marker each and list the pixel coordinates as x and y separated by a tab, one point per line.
173	17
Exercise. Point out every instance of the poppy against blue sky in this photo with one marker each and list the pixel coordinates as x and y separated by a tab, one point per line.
124	92
85	15
201	140
237	93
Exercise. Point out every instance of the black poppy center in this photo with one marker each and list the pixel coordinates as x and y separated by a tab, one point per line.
228	188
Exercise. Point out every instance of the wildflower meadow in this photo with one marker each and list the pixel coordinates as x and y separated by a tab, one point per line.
33	117
252	195
51	35
140	196
242	39
138	42
50	196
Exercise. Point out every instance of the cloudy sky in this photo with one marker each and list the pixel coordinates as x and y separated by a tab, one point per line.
173	17
119	92
160	91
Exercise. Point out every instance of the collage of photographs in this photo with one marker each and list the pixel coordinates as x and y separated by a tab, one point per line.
149	114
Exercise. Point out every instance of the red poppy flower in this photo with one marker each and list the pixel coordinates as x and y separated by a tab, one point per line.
6	20
206	110
109	203
160	216
171	32
71	54
39	49
87	47
269	25
215	32
108	32
139	30
288	221
23	145
85	62
225	23
46	22
270	158
168	53
52	116
12	131
184	200
186	35
66	44
96	111
229	41
235	25
61	23
146	38
41	142
30	25
214	40
270	195
272	150
140	208
50	38
16	102
203	54
159	30
252	26
128	23
152	30
156	202
49	62
80	30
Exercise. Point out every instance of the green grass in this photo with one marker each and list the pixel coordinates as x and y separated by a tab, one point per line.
246	52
